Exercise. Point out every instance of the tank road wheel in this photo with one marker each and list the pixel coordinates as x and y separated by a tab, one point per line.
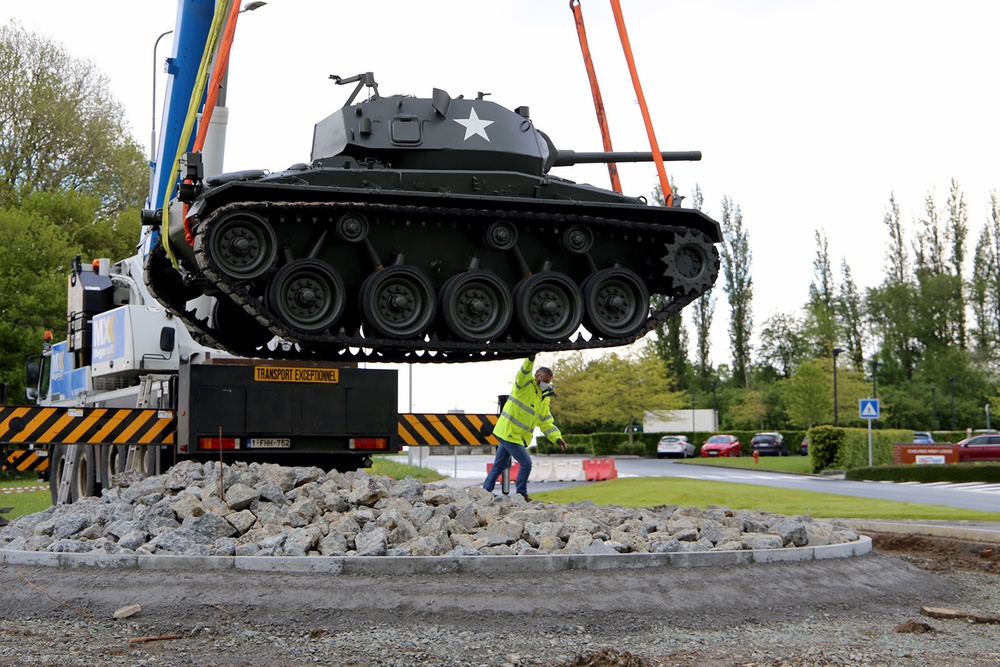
397	302
692	263
351	228
617	303
577	240
307	295
548	306
243	245
476	306
500	236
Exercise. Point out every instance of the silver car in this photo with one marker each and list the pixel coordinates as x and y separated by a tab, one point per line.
674	446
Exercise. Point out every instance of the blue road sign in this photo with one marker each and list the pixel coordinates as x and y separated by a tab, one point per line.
868	408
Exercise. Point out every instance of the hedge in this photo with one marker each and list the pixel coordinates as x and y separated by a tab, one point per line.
844	448
954	472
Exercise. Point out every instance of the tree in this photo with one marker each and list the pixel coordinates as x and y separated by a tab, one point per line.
748	413
71	182
982	266
671	343
957	232
984	289
609	391
702	312
821	322
62	130
850	315
34	258
939	306
736	261
993	290
807	395
782	344
675	352
889	307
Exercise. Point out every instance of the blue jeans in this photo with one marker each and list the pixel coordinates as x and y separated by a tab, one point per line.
506	451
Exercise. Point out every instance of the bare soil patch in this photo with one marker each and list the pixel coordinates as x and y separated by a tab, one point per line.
939	554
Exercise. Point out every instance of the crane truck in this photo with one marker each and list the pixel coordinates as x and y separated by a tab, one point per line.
423	230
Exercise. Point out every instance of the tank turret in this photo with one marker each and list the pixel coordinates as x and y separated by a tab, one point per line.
428	230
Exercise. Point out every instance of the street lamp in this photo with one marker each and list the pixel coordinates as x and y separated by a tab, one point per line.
952	379
692	412
875	365
152	140
934	422
836	351
715	404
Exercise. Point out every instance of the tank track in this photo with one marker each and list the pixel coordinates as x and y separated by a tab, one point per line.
338	344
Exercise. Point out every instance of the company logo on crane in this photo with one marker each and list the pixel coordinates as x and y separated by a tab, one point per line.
109	335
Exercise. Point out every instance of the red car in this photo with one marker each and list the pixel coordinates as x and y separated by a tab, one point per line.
721	445
980	448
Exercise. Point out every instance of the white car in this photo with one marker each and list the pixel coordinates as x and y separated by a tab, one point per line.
674	445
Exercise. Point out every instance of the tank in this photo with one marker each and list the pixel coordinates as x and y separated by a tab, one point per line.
427	230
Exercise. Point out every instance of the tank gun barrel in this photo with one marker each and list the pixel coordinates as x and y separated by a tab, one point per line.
566	158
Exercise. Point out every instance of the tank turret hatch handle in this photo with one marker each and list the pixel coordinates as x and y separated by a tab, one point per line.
566	158
366	79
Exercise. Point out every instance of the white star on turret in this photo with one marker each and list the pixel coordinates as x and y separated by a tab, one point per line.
473	125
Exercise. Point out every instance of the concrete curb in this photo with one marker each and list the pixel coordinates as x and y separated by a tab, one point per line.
403	565
966	533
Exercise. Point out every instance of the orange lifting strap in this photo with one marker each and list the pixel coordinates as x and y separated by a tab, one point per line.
602	120
668	195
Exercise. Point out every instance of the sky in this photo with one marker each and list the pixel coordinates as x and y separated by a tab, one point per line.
809	114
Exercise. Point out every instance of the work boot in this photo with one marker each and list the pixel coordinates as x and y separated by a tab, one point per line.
526	497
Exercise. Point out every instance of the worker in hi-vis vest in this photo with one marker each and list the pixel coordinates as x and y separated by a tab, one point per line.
527	407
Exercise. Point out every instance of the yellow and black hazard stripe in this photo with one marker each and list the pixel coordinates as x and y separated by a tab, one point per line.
48	426
446	429
26	460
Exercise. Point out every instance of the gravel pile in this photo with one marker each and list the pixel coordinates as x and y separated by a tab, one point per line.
270	510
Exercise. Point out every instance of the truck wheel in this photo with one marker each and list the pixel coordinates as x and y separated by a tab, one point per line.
57	463
112	462
81	472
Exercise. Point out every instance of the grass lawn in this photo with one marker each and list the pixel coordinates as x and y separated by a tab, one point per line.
799	464
653	491
386	468
9	479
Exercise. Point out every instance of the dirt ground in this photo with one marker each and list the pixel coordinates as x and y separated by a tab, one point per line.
934	554
939	554
836	613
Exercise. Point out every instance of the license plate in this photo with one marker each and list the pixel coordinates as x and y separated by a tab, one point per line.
269	443
712	452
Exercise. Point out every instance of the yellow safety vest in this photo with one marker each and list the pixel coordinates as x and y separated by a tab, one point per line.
526	408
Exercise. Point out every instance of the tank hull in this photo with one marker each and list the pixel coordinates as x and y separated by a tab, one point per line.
425	266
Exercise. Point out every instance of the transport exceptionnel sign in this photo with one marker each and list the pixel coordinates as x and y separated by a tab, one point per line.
295	374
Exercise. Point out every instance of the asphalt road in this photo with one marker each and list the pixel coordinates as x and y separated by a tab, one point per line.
975	496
